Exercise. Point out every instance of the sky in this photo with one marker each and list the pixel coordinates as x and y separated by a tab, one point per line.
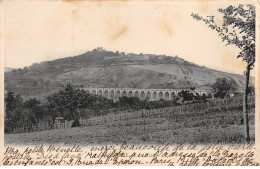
36	31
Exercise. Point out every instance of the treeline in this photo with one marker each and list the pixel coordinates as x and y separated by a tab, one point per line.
66	103
74	103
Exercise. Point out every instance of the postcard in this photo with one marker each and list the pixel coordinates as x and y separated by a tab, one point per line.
129	83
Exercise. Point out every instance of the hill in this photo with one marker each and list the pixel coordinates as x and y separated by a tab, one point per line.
101	68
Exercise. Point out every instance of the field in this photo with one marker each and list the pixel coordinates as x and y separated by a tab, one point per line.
205	126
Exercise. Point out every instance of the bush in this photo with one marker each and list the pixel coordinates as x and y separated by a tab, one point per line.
223	87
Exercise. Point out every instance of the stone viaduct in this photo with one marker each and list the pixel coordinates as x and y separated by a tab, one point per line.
151	94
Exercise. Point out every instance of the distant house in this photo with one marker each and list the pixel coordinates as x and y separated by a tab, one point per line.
161	57
100	49
146	57
180	60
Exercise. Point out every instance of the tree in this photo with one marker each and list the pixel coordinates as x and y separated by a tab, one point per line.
238	29
34	107
223	86
12	101
73	99
129	102
186	95
13	110
68	98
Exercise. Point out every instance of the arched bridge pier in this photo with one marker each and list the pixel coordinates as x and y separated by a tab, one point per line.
150	94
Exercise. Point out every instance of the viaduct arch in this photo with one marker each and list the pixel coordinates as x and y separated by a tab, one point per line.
150	94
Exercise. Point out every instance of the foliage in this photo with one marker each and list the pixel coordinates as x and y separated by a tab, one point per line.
21	113
73	103
181	127
129	102
238	29
35	106
223	86
12	101
251	89
72	99
188	96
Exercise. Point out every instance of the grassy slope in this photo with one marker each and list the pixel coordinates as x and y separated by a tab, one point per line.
147	76
47	77
201	127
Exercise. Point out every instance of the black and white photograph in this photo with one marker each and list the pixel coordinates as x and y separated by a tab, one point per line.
94	73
